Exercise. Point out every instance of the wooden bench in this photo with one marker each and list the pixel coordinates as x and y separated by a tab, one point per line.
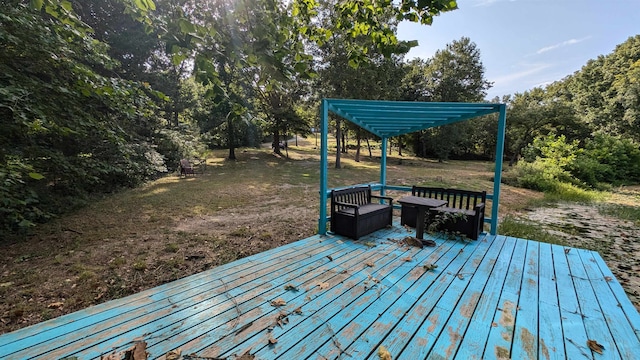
354	215
186	168
464	212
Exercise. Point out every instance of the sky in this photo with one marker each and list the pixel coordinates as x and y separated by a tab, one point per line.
529	43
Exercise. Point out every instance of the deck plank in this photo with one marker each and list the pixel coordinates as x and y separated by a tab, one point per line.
525	341
501	334
476	336
495	298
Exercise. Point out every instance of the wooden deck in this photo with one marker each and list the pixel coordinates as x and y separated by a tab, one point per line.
498	297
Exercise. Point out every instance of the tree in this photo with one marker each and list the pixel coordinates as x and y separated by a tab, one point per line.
455	74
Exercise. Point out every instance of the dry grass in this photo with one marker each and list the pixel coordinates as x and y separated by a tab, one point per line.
175	227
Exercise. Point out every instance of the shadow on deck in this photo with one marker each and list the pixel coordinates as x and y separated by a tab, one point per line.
331	297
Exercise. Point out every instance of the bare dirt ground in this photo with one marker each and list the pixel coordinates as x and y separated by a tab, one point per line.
583	226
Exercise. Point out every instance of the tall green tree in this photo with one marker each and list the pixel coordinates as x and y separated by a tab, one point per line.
454	74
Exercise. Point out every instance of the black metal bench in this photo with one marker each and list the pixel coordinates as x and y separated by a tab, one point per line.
464	212
354	215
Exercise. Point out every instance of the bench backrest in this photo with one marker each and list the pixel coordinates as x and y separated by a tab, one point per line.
457	198
359	195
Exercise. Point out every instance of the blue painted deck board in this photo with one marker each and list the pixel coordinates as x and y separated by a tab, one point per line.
497	297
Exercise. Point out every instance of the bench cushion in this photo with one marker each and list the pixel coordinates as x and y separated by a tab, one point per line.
364	209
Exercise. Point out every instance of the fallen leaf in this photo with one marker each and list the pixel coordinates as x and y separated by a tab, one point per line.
298	311
494	324
329	257
411	241
246	356
278	302
383	353
407	259
112	356
282	319
428	267
608	278
369	264
370	244
460	276
566	250
137	352
594	346
323	285
429	242
291	287
173	354
56	305
272	340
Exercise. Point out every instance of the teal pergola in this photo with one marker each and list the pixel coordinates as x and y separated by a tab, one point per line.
393	118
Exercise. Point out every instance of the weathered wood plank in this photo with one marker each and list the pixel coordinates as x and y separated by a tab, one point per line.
433	326
447	344
624	302
594	322
551	344
525	341
625	341
501	335
475	338
570	314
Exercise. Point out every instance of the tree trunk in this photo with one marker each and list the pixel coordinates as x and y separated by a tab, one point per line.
358	146
232	151
276	142
338	134
344	141
369	147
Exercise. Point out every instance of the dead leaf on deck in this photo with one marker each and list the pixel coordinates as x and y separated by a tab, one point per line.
112	356
566	250
608	278
323	285
411	241
298	310
329	257
55	305
428	267
428	242
174	354
460	276
272	340
370	244
383	353
278	302
291	287
594	346
407	259
369	264
282	319
494	324
137	352
246	356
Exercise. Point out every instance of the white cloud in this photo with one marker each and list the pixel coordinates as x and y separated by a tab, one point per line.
562	44
509	78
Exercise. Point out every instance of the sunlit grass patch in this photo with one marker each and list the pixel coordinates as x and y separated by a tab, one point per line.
512	226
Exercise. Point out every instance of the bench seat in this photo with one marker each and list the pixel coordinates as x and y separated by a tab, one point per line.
354	215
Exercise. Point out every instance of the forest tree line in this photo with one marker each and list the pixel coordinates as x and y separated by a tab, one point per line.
97	95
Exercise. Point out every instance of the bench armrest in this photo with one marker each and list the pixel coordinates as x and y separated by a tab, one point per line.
479	208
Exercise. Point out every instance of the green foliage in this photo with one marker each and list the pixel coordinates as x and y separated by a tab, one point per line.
511	226
624	212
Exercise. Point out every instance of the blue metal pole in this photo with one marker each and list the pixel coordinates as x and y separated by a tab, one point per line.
324	165
383	167
497	177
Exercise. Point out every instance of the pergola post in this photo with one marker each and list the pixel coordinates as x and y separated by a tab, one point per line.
324	166
383	166
497	177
